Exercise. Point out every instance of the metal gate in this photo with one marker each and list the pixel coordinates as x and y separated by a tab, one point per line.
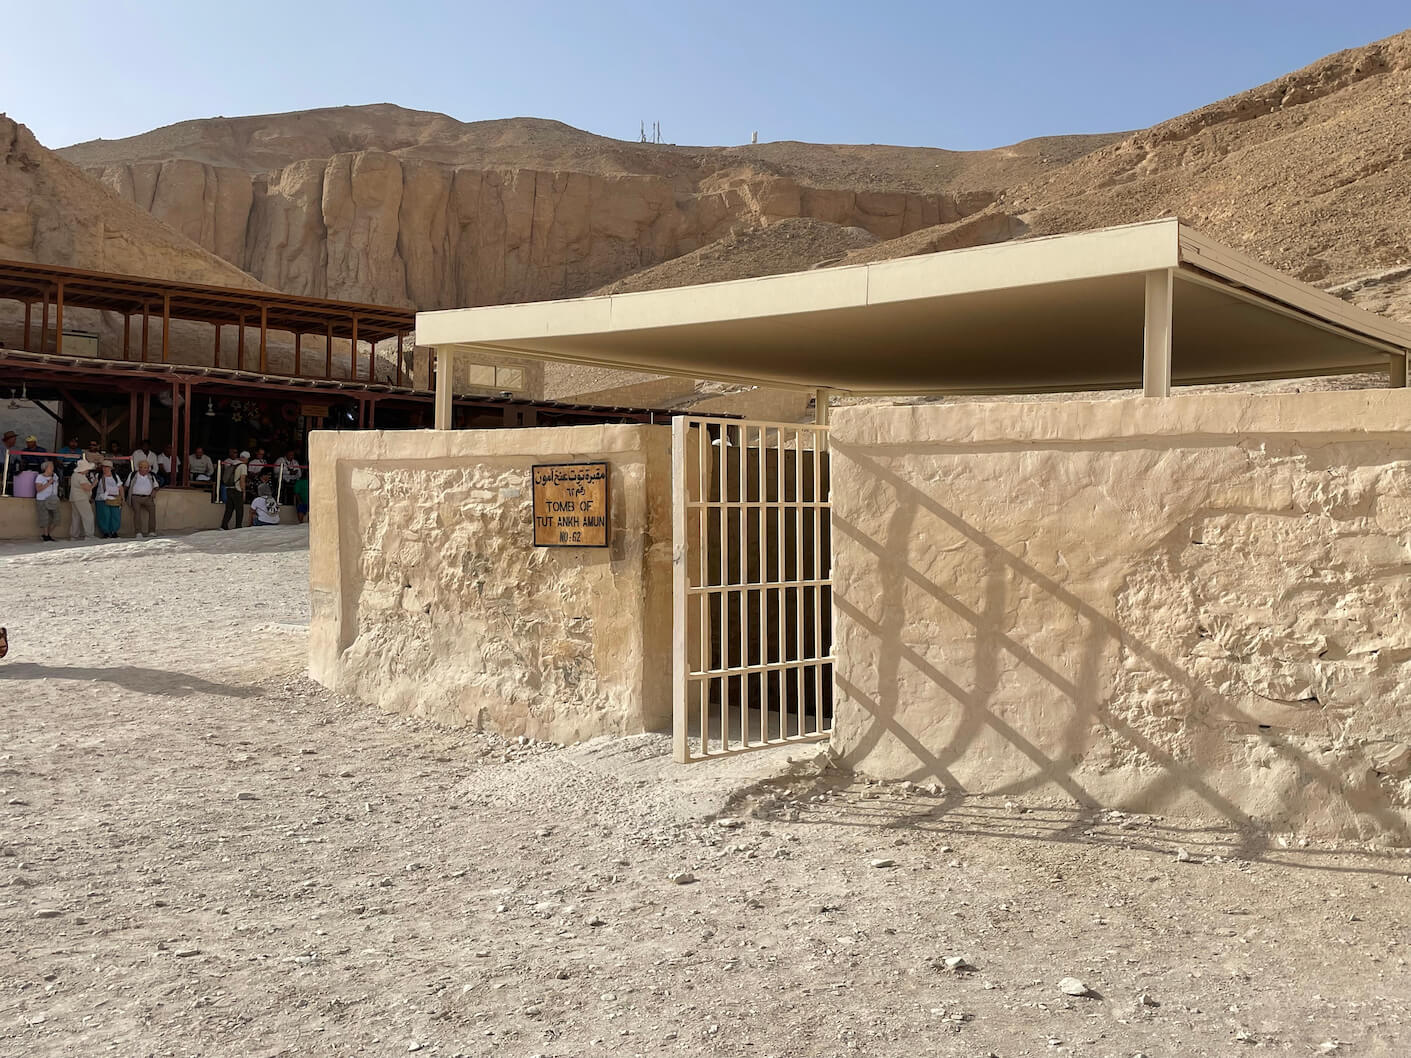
752	555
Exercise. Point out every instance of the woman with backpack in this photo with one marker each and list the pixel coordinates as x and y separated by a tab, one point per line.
107	501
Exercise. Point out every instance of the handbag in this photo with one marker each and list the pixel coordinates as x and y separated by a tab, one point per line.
113	501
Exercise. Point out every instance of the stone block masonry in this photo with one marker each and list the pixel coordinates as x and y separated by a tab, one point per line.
1197	605
429	598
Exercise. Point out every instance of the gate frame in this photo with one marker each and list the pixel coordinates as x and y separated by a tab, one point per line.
683	678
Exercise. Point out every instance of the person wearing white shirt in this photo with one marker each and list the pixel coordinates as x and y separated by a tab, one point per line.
264	511
81	498
46	499
202	466
143	452
166	465
142	497
289	464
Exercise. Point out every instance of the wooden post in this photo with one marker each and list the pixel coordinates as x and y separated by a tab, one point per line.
1396	367
328	353
353	350
240	346
399	358
59	319
44	324
298	355
215	356
146	417
166	326
371	412
186	430
27	306
145	320
264	349
176	406
126	334
132	420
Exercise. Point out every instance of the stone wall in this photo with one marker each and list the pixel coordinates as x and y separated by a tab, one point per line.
429	599
1199	605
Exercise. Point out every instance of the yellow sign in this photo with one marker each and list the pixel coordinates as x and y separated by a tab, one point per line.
570	504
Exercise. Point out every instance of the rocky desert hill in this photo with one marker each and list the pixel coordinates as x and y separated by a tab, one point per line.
51	212
383	204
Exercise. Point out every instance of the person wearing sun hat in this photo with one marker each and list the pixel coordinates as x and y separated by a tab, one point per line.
81	496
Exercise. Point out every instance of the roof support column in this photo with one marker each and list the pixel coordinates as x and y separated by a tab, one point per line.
1156	339
821	406
445	376
1396	366
59	319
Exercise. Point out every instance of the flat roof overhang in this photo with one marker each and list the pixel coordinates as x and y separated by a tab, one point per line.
1067	312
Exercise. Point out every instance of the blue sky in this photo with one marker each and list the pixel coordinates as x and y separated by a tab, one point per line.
965	75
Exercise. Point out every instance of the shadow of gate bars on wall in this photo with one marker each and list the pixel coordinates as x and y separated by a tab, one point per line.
752	661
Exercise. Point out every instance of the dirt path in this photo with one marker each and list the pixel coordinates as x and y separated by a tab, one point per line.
202	853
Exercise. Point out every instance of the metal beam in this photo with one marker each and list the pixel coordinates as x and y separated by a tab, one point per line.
1156	336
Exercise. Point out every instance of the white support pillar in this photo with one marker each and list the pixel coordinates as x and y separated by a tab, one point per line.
1156	340
821	406
1396	367
445	379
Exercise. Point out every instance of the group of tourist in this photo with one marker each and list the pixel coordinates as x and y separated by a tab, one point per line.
97	493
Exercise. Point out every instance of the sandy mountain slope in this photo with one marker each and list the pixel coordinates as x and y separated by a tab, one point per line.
390	205
52	213
1310	173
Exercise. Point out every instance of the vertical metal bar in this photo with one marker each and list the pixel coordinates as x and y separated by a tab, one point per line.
724	512
762	577
743	433
798	574
780	618
703	564
680	584
816	623
59	318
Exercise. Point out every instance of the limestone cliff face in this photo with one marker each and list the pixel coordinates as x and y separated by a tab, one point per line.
373	226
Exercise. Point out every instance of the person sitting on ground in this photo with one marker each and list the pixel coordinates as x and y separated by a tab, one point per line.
264	511
142	496
166	466
232	476
143	451
201	465
107	501
81	498
46	499
301	499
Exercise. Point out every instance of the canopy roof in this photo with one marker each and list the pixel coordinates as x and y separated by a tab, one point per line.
1059	313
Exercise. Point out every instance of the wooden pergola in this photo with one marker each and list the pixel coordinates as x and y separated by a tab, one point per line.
154	303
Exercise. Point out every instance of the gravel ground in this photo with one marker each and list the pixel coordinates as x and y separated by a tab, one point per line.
203	853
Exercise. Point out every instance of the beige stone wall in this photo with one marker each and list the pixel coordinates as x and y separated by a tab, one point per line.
428	597
1200	605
